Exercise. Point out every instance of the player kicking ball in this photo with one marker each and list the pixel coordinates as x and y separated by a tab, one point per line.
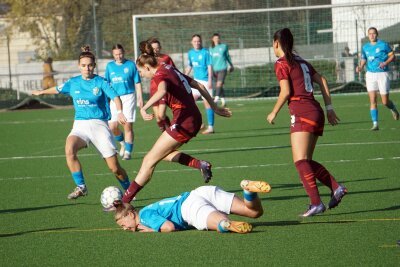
204	208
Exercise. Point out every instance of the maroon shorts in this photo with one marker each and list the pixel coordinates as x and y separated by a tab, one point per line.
312	122
184	130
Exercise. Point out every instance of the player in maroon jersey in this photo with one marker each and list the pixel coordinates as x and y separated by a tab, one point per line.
175	88
296	77
159	107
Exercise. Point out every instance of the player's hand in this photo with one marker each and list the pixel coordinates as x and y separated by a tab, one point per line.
224	112
382	65
121	118
271	117
332	118
231	69
142	228
358	69
145	115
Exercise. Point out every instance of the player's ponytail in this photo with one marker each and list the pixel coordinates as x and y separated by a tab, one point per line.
148	56
85	52
285	39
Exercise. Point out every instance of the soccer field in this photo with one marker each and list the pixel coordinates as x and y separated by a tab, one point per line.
39	226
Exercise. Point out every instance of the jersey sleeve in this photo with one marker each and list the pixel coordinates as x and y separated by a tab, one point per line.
108	90
281	71
151	218
107	74
208	58
64	88
189	60
363	55
388	49
136	76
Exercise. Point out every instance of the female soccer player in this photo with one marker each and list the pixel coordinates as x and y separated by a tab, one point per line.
204	208
122	74
89	93
220	57
377	55
159	108
175	87
296	77
200	61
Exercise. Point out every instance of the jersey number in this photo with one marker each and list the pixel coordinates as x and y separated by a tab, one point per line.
307	78
184	81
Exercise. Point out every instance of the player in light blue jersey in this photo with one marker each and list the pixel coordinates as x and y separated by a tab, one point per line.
124	77
204	208
220	59
199	61
377	55
90	94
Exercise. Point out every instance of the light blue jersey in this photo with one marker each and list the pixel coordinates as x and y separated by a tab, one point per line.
220	56
122	77
199	60
89	97
168	209
375	54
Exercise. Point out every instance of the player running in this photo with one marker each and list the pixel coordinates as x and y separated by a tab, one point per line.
159	108
296	77
89	93
204	208
199	60
377	55
175	87
122	74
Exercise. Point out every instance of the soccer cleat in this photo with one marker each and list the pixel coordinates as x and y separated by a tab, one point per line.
314	210
395	114
122	151
208	131
375	127
205	169
78	192
110	209
337	196
127	156
255	186
237	227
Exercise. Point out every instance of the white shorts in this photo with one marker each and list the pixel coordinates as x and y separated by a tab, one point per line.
196	92
128	108
96	132
378	81
203	201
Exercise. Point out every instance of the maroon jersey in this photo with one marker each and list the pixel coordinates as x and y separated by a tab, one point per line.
179	93
163	58
301	87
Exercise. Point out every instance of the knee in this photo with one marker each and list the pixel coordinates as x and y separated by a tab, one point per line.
256	213
70	153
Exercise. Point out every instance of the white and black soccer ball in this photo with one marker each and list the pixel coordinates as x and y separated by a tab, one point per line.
109	195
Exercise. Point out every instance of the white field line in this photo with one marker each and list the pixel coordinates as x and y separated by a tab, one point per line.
208	150
191	169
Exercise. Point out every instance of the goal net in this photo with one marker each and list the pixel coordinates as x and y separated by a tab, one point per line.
321	35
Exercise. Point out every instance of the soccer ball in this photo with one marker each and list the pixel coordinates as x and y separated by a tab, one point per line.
109	195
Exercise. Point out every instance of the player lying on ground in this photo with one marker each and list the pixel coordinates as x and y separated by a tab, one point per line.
204	208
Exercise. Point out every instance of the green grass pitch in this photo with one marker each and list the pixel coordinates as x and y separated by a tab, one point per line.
39	226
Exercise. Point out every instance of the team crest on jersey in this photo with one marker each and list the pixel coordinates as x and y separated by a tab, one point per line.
200	57
95	91
126	70
377	50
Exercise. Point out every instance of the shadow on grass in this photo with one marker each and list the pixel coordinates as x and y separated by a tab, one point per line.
38	208
297	222
221	137
392	208
34	231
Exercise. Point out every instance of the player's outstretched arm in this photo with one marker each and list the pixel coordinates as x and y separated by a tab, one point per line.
50	91
224	112
161	91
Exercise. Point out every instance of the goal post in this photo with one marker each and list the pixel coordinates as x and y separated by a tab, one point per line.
321	34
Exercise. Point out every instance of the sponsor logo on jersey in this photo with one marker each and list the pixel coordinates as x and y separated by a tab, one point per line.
117	79
96	91
82	101
77	92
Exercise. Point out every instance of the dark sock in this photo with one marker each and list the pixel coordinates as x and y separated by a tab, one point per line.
188	160
131	192
323	175
307	176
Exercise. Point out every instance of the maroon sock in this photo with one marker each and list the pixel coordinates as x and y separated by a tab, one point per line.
324	176
188	160
131	192
307	176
